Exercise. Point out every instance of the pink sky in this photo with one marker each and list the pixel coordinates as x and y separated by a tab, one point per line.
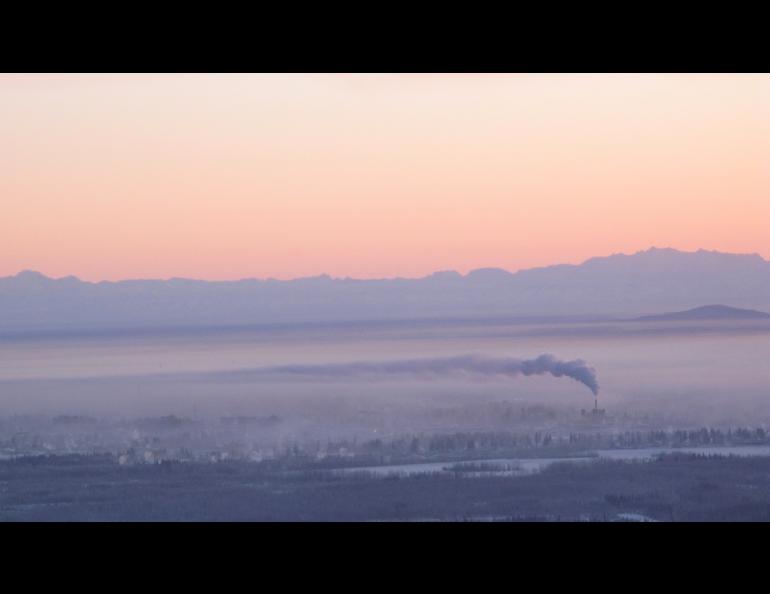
230	176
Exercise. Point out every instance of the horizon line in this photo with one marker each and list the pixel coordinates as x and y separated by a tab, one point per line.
31	271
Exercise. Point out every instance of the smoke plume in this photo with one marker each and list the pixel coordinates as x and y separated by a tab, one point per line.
469	365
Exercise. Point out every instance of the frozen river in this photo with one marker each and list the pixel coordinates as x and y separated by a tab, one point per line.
524	466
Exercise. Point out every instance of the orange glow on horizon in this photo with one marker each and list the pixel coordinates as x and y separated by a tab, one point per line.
372	176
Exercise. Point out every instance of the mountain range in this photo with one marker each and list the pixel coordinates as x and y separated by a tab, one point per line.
647	282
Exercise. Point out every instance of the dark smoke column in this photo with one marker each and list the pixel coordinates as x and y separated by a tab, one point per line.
469	365
576	369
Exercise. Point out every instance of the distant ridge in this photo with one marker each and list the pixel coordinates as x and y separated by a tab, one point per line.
620	286
654	257
708	312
